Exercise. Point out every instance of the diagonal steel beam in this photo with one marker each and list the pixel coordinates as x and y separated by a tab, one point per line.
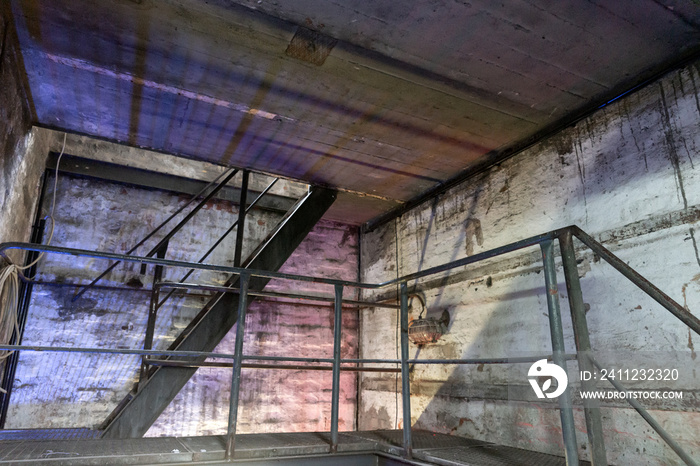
138	411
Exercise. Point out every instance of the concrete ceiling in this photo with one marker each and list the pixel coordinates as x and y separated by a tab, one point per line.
410	96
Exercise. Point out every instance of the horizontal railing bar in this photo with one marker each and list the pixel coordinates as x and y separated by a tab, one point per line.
517	360
642	283
137	352
514	360
372	361
174	263
269	294
285	358
532	241
524	243
247	365
142	352
199	354
80	285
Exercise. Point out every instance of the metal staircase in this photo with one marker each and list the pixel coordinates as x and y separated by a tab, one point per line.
159	385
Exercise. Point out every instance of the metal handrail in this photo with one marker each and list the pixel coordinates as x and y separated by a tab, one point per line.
155	230
675	308
642	283
221	238
544	240
268	294
532	241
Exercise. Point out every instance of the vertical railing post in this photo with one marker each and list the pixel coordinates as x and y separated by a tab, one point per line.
558	351
237	362
152	314
405	382
241	220
335	397
594	425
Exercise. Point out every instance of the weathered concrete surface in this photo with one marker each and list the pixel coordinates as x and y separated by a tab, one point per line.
281	400
349	207
119	154
628	176
408	98
59	390
23	150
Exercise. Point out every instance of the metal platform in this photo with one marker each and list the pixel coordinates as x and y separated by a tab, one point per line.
354	448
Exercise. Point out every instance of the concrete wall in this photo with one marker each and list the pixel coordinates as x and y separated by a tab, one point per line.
628	175
119	154
282	400
23	150
69	390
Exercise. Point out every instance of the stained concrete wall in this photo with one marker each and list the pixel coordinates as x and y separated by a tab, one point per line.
282	400
23	150
69	390
158	162
629	176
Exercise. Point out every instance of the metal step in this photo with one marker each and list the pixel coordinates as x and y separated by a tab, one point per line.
139	410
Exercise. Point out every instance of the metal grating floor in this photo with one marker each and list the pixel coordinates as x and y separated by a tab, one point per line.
429	448
48	434
490	455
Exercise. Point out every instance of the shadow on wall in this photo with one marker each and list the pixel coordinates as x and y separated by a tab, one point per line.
495	402
619	176
80	390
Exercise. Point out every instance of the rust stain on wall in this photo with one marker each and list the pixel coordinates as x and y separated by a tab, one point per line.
473	233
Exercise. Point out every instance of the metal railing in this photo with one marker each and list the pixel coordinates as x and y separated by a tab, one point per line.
545	241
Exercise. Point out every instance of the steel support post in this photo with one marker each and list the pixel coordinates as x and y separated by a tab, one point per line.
150	330
237	362
335	398
594	425
405	382
558	353
241	220
152	312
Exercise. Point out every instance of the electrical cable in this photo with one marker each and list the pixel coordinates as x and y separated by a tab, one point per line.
9	277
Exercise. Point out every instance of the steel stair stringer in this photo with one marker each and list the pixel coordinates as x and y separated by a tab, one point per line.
139	410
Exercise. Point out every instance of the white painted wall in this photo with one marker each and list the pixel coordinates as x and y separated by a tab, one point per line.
628	175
